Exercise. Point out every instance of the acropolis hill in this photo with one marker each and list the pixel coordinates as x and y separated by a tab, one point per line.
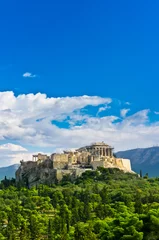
48	169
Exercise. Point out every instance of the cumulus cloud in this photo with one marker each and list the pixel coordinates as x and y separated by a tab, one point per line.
12	148
12	153
157	113
123	112
103	108
29	75
30	120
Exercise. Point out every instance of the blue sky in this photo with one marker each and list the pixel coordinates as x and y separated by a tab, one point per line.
72	48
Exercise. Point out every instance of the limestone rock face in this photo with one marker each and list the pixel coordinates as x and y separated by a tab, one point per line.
32	173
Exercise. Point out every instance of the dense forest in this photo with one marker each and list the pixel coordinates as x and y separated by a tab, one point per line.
106	204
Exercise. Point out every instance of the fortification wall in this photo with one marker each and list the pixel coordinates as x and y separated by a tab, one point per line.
126	164
60	157
96	164
84	157
73	159
42	156
119	163
73	173
60	165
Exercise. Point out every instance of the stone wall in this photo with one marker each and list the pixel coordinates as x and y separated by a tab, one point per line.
119	163
61	157
84	158
126	164
99	163
69	163
73	173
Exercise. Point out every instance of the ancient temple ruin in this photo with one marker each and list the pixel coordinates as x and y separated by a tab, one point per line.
74	163
98	149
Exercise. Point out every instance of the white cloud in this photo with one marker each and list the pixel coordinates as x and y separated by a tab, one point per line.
12	148
123	112
157	113
102	109
12	153
29	75
27	120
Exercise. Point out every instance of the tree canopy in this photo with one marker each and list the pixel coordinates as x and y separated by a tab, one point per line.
106	204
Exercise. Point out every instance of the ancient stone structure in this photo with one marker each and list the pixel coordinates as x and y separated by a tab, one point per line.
40	157
44	169
98	149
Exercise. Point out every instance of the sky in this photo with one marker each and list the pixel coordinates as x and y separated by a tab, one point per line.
76	72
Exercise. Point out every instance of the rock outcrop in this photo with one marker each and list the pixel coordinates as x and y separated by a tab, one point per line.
49	169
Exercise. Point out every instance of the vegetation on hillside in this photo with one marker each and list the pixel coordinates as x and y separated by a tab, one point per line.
106	204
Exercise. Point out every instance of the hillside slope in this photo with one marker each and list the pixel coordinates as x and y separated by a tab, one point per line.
9	171
145	159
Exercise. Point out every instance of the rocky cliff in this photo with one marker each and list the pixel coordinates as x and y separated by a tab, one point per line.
32	173
145	159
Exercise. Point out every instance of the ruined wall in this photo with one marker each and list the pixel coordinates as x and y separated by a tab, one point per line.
96	164
127	164
84	158
72	158
73	164
108	162
60	157
119	162
60	161
73	173
42	157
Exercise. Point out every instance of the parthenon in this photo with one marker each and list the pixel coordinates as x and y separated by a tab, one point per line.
98	149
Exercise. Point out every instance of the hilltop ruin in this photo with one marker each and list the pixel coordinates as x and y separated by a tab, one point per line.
48	169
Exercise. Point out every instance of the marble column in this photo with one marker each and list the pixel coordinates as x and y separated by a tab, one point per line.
100	151
106	151
103	151
110	152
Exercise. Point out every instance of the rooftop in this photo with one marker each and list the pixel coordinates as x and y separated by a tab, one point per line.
99	144
95	144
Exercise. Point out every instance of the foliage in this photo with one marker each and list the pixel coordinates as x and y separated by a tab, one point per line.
106	204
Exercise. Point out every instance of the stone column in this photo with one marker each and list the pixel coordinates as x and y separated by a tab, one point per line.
106	151
100	151
103	151
110	152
